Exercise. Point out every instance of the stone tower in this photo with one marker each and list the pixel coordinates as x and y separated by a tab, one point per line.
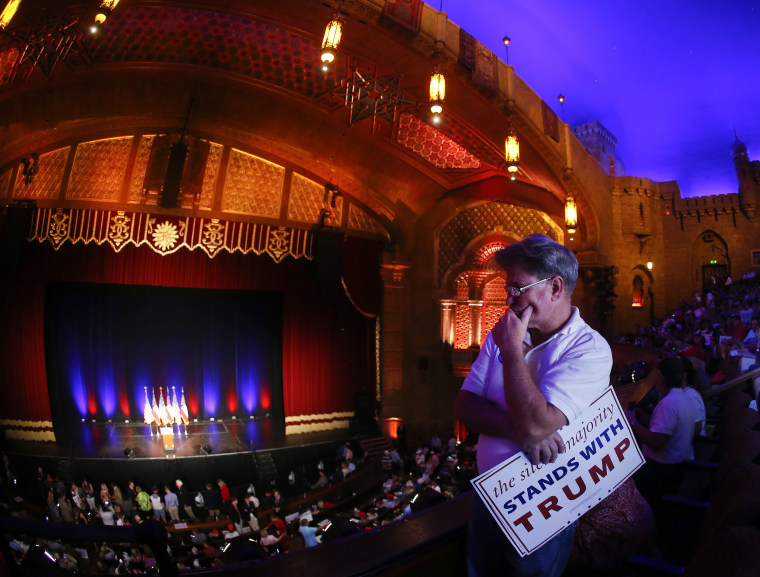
600	143
748	177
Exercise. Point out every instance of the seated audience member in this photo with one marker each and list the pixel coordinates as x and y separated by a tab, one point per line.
666	442
231	532
321	483
308	533
268	540
198	537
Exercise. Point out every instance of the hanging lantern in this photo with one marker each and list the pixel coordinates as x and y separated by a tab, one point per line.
512	152
330	42
8	12
104	11
102	14
571	214
437	93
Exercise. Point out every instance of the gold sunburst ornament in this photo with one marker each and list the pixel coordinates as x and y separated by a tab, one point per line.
165	236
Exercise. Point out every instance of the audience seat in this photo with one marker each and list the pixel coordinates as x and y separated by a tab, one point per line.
702	479
691	524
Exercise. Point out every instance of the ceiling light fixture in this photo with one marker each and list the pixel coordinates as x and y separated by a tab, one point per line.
571	214
102	14
437	91
331	39
8	12
512	152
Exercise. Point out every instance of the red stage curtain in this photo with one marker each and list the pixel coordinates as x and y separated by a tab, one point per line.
328	346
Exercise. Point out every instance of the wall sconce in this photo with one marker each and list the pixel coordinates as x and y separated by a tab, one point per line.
8	13
512	152
650	264
571	214
333	32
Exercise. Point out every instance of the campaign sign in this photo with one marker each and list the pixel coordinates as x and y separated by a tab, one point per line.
532	503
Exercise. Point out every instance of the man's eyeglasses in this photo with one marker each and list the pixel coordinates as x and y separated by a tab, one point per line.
516	291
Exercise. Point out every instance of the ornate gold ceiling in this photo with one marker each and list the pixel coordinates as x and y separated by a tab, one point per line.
246	75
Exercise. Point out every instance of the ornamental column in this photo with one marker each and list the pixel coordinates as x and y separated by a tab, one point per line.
394	275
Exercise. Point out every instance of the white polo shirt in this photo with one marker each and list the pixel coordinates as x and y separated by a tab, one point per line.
572	368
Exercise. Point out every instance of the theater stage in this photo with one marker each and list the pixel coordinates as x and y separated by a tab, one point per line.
240	451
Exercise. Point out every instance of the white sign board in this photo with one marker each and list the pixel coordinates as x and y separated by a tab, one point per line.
532	503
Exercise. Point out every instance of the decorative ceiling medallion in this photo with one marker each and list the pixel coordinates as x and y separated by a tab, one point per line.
432	145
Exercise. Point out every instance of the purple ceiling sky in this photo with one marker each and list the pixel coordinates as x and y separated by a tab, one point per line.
670	79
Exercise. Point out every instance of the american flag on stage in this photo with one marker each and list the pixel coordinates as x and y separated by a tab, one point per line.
147	410
175	413
162	408
156	410
185	416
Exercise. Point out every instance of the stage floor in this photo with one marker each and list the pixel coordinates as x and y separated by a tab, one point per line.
111	440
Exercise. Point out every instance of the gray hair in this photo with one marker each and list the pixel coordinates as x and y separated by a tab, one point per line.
542	257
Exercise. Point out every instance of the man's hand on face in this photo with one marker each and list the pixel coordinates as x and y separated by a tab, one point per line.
509	331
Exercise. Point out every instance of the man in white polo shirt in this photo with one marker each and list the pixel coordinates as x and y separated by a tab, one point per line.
540	367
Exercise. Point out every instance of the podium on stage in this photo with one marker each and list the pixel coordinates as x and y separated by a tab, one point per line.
167	434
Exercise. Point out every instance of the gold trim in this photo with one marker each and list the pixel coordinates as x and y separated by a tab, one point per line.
168	234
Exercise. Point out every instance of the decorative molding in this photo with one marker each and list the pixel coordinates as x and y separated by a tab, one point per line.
28	430
307	199
167	234
310	423
360	220
253	185
47	181
99	169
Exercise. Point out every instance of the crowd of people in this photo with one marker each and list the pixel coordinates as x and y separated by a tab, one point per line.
715	331
702	344
202	522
